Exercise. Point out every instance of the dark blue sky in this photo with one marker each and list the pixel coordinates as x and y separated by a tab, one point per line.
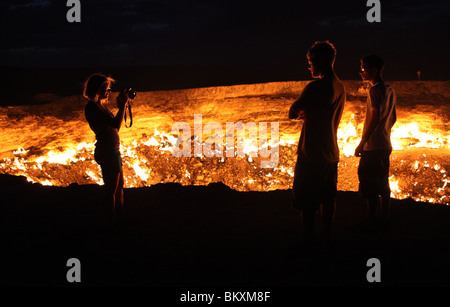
412	34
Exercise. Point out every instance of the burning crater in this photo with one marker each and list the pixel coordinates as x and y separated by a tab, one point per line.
52	144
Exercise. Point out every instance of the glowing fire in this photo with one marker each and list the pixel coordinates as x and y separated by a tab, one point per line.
419	163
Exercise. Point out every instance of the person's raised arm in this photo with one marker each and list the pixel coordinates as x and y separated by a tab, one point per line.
121	103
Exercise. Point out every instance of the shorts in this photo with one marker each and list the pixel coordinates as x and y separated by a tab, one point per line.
373	173
315	183
109	161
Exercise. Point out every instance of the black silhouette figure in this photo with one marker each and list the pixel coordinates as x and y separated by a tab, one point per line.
320	106
106	128
375	146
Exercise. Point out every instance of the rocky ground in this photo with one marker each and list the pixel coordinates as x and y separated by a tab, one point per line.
211	236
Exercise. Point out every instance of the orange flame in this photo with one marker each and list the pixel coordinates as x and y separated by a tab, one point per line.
419	162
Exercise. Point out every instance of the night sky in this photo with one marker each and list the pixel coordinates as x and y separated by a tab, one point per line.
264	35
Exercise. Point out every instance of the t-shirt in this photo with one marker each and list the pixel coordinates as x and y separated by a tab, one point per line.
322	102
101	121
383	98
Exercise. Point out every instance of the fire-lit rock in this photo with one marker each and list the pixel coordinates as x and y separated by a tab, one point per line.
52	144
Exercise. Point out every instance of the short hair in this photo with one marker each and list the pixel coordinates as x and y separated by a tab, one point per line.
324	51
373	60
93	84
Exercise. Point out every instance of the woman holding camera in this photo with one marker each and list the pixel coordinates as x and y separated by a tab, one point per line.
106	127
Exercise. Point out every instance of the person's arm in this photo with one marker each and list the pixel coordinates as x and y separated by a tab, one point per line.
121	102
297	109
374	119
373	122
295	112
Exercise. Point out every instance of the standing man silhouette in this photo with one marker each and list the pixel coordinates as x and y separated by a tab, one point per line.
375	146
320	105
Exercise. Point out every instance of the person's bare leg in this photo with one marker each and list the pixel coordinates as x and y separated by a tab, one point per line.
111	183
118	204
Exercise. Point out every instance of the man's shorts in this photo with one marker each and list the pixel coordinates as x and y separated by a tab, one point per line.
315	183
110	162
373	172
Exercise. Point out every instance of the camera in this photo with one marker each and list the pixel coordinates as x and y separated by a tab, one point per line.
131	93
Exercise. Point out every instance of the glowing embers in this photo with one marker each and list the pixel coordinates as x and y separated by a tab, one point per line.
421	174
151	160
417	173
417	131
148	157
249	138
413	135
348	137
73	165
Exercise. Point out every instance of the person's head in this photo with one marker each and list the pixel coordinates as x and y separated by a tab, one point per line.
321	58
97	87
371	67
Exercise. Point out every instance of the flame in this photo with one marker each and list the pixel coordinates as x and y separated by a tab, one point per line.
59	158
138	172
419	162
347	135
411	135
393	184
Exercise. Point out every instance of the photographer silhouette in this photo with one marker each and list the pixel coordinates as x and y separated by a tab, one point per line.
106	127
